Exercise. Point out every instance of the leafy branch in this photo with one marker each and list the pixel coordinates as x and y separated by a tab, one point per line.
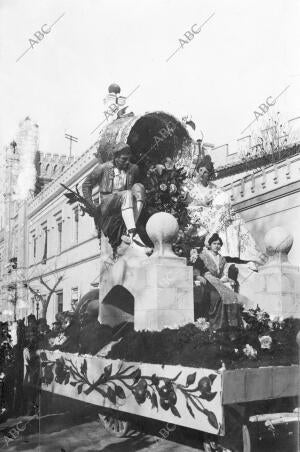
75	197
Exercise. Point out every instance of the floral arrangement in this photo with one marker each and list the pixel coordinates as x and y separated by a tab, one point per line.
188	242
164	191
262	342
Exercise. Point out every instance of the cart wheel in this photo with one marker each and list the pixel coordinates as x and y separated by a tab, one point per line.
246	439
114	425
210	445
228	444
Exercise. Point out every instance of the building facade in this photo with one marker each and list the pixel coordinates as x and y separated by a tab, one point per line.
62	244
24	171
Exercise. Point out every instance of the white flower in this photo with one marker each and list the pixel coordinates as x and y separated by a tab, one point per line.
163	187
260	316
193	255
51	341
171	327
222	368
277	319
250	352
265	341
173	188
58	340
202	324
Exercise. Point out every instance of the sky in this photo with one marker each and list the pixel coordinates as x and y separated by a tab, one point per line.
247	51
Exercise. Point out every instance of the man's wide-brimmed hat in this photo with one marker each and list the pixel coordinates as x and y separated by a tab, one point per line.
119	148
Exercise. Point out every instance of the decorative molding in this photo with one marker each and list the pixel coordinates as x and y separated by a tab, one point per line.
275	177
231	192
264	198
242	187
288	169
253	185
264	179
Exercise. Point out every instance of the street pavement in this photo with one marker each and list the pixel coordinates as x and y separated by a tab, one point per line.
73	432
59	433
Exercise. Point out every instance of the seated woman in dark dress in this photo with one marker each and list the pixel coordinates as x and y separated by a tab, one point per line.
213	298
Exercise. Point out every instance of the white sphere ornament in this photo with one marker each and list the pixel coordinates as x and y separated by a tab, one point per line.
162	228
278	241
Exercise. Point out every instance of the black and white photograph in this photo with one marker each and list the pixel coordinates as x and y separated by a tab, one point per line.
149	226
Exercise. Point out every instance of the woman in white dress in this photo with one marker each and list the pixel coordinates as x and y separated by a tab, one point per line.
210	211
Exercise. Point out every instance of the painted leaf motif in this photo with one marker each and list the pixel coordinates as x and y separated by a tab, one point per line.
83	367
79	388
111	395
191	379
208	396
175	411
67	379
136	375
154	400
155	380
73	383
189	408
72	372
120	392
107	370
212	377
212	419
103	393
177	376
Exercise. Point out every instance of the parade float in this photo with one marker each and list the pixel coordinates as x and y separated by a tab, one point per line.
168	366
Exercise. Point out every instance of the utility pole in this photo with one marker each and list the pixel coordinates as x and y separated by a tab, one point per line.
71	138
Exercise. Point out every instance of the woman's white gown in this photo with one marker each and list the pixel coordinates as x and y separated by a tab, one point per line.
210	211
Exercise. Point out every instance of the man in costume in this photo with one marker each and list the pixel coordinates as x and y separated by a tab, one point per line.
121	196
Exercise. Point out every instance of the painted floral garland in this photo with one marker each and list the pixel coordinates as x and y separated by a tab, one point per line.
160	391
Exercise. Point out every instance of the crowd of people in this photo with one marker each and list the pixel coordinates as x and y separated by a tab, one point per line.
15	337
19	361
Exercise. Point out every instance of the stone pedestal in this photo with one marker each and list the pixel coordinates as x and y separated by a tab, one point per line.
122	272
161	285
277	286
166	298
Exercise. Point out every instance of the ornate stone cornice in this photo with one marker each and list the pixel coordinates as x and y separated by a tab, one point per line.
283	175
